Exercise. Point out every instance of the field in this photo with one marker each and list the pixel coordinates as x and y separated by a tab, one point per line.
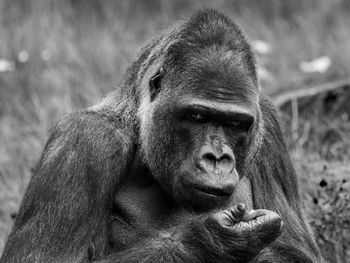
60	56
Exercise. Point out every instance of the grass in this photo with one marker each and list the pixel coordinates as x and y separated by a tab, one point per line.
77	51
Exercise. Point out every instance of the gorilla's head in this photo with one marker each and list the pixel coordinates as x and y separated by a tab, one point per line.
199	111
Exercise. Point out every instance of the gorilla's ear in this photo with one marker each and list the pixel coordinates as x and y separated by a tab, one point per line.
155	84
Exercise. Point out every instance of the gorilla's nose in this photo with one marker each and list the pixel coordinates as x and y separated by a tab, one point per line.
217	160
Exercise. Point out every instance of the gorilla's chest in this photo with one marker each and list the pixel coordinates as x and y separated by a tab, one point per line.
143	204
140	206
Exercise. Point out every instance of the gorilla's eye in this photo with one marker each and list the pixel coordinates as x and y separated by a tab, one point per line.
240	125
236	123
154	85
196	117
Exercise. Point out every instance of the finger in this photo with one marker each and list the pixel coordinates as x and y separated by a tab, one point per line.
255	214
237	212
269	220
263	215
262	218
252	214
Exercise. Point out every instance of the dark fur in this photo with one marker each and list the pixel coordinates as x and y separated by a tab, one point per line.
68	213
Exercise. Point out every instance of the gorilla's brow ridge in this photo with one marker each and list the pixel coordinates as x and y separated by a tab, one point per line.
236	113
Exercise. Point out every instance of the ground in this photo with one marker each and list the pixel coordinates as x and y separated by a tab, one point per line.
60	56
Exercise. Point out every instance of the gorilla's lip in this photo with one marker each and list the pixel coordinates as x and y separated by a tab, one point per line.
215	191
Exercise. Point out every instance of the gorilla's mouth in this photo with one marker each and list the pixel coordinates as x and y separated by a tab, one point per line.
209	190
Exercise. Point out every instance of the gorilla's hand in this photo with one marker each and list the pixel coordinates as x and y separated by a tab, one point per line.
238	219
244	234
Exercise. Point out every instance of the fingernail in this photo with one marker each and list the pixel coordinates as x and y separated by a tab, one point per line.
241	207
282	225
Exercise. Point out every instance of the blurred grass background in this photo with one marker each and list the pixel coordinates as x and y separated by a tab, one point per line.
60	56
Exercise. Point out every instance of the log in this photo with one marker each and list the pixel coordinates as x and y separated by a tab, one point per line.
284	97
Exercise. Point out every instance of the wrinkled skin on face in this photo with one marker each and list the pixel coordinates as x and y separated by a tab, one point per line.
209	126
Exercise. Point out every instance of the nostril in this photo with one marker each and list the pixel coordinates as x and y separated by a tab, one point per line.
210	161
209	157
225	158
219	160
226	163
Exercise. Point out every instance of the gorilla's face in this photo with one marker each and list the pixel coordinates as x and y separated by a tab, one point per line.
200	132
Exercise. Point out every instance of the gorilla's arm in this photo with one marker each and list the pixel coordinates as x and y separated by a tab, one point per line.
232	235
275	187
65	208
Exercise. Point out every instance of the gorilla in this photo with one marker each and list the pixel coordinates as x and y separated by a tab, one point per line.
185	162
